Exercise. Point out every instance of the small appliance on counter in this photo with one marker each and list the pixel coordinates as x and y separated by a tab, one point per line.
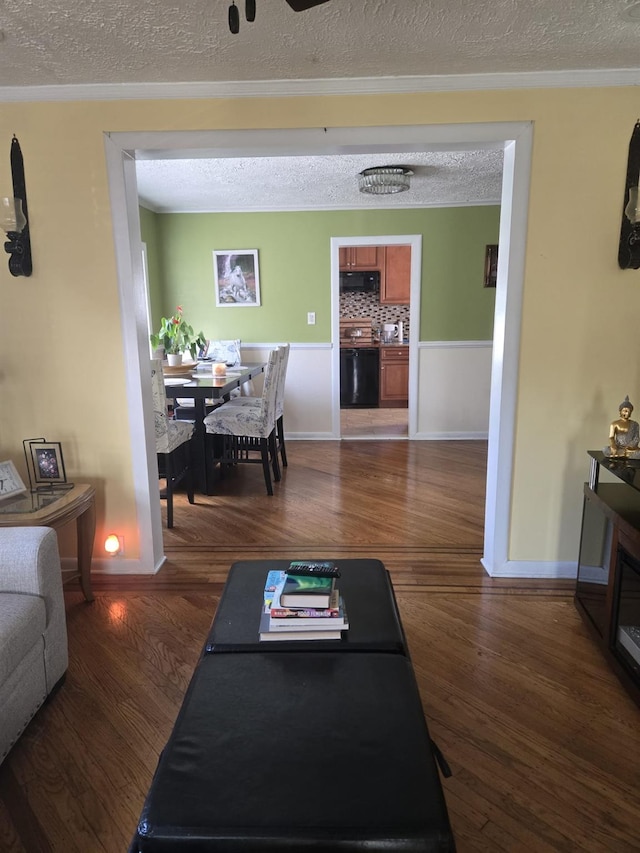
390	333
355	332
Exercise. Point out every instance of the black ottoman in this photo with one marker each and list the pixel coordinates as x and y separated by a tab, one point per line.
288	752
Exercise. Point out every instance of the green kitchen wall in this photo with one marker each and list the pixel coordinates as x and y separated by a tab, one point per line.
294	267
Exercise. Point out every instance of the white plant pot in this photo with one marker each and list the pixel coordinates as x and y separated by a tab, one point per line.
174	359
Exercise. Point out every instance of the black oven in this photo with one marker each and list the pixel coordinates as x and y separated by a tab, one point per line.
359	377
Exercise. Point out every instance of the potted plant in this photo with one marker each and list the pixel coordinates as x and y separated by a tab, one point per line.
176	336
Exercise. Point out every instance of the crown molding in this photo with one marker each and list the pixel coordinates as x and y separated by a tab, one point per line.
293	208
338	86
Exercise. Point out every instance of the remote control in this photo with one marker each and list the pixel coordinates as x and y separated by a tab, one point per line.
314	569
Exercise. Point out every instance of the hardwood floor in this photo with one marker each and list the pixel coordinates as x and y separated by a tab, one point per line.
374	423
543	741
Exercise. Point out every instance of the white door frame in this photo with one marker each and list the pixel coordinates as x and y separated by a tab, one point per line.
514	138
415	241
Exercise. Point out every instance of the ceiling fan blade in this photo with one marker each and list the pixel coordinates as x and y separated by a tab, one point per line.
303	5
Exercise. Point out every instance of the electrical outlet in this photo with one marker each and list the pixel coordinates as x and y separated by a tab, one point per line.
311	318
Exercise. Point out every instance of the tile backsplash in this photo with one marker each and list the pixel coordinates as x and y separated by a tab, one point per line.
354	305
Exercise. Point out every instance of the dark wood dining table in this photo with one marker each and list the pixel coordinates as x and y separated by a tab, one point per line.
199	384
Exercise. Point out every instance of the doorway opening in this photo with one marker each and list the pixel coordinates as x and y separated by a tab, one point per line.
374	300
514	139
375	355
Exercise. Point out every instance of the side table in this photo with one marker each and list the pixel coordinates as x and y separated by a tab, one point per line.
54	509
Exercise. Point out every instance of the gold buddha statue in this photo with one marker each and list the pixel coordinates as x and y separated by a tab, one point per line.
624	434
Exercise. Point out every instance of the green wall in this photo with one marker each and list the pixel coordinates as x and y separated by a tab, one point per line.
294	264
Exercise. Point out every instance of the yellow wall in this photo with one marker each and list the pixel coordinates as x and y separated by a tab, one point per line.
61	365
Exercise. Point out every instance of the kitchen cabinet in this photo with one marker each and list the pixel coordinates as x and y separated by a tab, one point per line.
395	281
394	377
361	258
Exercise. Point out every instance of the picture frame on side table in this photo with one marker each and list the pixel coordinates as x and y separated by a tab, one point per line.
10	483
47	463
491	265
237	278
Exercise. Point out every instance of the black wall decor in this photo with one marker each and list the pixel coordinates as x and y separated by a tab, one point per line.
629	250
18	246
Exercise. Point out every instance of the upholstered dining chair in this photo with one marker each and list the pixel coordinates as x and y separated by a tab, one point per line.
173	442
284	356
253	401
217	351
250	430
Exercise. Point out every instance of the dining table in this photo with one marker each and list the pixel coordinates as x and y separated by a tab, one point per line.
197	382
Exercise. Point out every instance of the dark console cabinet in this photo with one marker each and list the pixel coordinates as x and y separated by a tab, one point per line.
608	582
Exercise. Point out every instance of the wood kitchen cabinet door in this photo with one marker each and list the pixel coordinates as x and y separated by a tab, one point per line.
394	377
395	285
360	258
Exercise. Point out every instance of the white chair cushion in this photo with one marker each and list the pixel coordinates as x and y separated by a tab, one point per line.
177	433
245	401
253	421
238	420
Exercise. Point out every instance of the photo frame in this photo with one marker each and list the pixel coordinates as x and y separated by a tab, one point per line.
491	265
237	278
47	463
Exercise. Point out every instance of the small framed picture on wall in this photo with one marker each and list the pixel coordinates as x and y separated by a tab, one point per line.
491	265
237	278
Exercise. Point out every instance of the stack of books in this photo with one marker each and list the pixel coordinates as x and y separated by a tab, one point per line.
303	606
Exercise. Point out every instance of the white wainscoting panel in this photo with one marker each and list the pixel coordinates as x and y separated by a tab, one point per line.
307	397
454	381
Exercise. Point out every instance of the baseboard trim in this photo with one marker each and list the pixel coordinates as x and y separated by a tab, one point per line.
451	436
532	569
111	566
311	436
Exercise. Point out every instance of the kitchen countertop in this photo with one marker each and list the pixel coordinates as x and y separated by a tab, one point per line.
370	344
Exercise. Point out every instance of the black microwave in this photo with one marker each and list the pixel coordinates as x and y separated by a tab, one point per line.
360	282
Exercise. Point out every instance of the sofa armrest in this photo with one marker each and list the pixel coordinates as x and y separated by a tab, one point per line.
30	563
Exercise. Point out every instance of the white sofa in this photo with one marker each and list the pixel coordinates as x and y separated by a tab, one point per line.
33	627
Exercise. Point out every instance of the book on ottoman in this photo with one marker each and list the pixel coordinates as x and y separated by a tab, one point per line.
374	621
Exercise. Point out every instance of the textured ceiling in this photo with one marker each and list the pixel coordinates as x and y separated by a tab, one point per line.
58	42
312	183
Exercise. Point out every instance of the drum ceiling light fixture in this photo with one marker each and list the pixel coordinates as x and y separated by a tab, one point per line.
384	180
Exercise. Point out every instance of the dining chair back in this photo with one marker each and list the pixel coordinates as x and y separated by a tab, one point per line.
282	377
253	401
227	352
250	430
173	442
